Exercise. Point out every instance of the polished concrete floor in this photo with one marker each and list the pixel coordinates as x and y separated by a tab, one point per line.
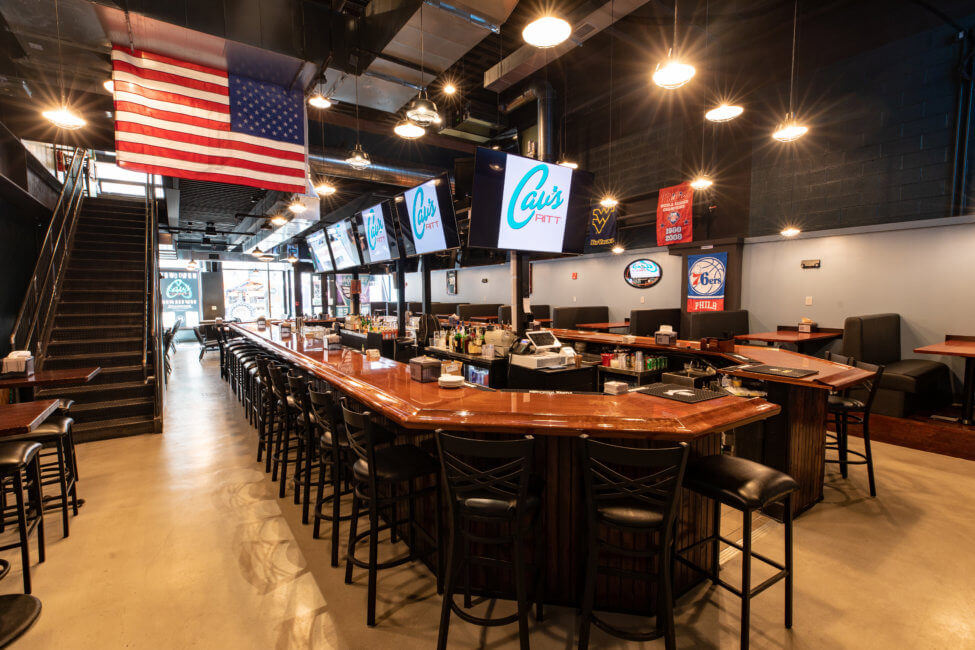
183	543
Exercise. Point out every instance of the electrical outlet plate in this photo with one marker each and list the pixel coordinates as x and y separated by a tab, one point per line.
808	301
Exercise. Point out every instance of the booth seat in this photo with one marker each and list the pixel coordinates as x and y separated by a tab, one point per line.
568	317
538	311
907	384
468	311
644	322
442	308
718	324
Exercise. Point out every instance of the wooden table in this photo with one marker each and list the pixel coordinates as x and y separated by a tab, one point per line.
17	419
599	327
959	346
804	341
543	321
48	379
487	319
416	409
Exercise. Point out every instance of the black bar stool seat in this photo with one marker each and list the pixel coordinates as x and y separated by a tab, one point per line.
745	486
17	614
17	458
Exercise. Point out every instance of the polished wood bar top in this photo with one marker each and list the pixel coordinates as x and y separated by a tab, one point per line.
47	378
788	336
385	387
954	346
24	417
601	326
829	374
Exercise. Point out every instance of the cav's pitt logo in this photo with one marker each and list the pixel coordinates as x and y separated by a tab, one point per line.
535	200
422	213
374	229
179	289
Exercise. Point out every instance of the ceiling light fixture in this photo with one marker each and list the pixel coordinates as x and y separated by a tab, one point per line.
702	182
547	31
109	85
449	88
791	129
608	202
279	220
409	131
618	249
673	73
297	206
62	116
192	265
324	188
293	257
790	231
422	112
318	100
724	113
358	159
568	163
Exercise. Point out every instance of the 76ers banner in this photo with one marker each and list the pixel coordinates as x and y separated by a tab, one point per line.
674	225
705	281
601	234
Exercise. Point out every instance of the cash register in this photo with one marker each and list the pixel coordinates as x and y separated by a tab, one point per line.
539	349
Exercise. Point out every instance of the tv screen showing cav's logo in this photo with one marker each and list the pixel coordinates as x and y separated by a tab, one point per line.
424	211
534	205
372	220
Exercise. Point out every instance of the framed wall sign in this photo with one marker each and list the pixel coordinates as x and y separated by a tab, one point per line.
642	274
452	283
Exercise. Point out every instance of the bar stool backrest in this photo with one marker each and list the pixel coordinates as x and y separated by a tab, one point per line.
839	358
491	469
321	410
278	384
645	478
358	429
872	385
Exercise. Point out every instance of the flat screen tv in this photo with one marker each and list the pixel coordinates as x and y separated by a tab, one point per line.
523	204
341	239
318	245
426	218
377	233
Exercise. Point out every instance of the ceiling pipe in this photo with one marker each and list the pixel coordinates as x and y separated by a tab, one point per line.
400	174
541	92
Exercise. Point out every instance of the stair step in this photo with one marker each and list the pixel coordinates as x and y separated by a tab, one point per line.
108	224
109	283
103	346
90	407
104	295
98	319
120	374
88	307
118	428
108	242
102	274
103	359
101	392
82	332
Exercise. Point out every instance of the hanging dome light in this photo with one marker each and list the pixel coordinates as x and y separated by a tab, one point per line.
790	231
609	202
673	73
65	118
325	189
724	113
702	182
547	31
409	131
318	100
297	206
422	112
292	257
192	265
279	220
266	257
790	130
109	85
358	159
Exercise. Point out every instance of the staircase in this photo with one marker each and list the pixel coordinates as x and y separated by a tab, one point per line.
100	320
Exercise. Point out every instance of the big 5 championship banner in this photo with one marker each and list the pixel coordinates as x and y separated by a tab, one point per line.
674	219
601	234
705	281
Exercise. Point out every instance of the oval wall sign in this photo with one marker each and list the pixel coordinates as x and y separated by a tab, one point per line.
642	274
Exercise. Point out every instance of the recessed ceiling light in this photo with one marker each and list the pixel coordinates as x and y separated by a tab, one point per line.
608	202
791	231
547	31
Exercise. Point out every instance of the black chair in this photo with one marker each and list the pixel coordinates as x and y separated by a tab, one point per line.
490	488
745	486
636	491
19	460
845	409
307	461
205	343
644	322
374	473
285	444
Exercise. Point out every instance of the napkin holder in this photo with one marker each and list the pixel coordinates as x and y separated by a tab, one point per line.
665	335
19	364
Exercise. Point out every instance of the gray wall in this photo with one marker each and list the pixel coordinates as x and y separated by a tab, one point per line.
211	295
497	289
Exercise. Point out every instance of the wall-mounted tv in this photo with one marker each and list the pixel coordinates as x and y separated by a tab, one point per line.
341	239
377	233
318	245
426	218
523	204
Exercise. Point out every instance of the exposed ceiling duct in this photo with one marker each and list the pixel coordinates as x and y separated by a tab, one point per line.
528	59
332	163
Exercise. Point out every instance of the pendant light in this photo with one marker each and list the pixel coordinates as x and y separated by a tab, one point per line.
318	99
608	200
324	188
673	73
409	131
192	265
790	129
546	31
703	181
790	231
279	220
449	88
422	112
296	206
358	158
62	116
724	113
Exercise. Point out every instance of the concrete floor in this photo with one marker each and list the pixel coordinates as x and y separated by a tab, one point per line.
183	543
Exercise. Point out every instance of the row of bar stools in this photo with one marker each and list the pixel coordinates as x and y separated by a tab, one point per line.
490	487
20	472
374	472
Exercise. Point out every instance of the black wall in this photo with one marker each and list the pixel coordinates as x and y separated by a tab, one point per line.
212	295
19	241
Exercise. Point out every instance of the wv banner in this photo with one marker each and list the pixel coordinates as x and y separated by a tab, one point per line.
674	218
705	281
601	233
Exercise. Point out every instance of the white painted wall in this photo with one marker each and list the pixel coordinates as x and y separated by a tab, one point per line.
470	288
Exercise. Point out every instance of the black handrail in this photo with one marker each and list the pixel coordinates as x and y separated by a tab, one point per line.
51	260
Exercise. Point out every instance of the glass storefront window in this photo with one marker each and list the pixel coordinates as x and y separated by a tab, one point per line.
245	294
180	296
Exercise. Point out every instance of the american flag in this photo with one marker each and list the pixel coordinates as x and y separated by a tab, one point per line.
176	118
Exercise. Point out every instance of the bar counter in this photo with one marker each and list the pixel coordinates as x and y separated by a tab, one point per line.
556	420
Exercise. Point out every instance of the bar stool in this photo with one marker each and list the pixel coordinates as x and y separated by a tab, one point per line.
846	409
307	462
377	470
288	411
489	486
17	614
634	491
745	486
17	459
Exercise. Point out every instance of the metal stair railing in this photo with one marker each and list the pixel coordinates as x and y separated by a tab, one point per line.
32	325
152	315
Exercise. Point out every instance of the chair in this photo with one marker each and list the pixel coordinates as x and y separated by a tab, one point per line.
717	324
387	467
468	311
746	486
307	461
631	491
284	443
489	488
205	343
908	384
17	460
644	322
845	409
